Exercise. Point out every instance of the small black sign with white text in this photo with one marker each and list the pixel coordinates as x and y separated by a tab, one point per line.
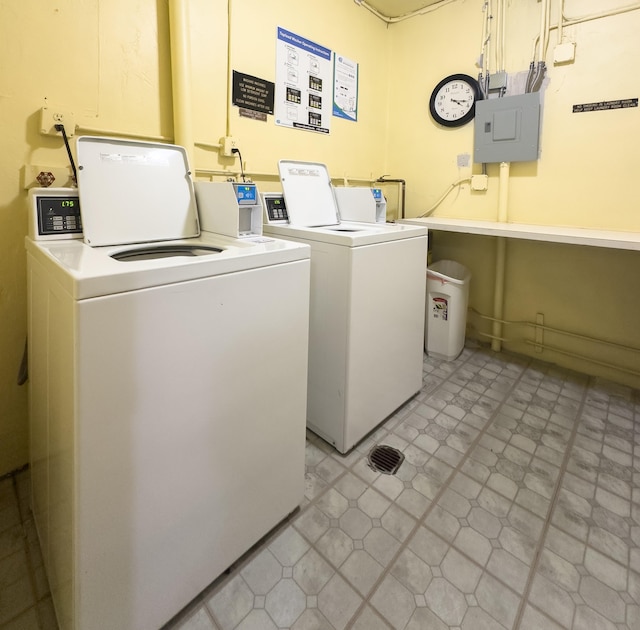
253	93
602	105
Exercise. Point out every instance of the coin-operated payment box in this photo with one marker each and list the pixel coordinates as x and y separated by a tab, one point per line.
362	204
229	208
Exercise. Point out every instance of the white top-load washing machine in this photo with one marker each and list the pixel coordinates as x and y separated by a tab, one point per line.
367	306
167	391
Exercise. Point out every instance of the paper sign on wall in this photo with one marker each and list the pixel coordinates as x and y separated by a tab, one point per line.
303	83
345	88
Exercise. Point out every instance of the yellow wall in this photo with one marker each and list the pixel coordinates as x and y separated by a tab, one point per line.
585	176
109	63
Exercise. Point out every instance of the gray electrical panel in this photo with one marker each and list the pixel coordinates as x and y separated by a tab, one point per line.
507	129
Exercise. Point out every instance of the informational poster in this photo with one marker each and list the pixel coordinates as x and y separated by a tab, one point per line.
303	83
345	88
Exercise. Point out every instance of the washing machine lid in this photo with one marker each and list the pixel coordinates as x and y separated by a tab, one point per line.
347	233
308	194
134	191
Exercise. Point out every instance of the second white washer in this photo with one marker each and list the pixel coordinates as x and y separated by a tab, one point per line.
366	313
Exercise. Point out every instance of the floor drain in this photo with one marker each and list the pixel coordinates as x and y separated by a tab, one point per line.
385	459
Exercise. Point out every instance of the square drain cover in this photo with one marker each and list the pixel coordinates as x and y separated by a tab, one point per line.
385	459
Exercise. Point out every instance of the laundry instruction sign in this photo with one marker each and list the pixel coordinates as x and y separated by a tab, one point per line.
304	87
345	88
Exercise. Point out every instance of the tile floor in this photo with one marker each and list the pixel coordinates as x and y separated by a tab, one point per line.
517	506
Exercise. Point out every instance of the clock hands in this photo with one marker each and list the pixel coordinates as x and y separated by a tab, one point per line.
452	100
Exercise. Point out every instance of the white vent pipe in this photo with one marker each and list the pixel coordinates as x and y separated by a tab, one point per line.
501	257
181	76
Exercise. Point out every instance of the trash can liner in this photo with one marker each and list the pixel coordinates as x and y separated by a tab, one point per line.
448	271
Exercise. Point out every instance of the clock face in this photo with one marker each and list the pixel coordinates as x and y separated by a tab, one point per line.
453	100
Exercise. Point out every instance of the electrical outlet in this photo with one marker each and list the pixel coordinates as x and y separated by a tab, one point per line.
52	116
227	144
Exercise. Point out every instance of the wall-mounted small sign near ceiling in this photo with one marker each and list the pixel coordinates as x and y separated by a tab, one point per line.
604	105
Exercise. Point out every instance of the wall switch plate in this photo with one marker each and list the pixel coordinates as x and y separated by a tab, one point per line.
463	160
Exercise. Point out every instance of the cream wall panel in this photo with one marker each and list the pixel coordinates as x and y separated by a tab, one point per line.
106	62
48	54
134	69
586	159
584	290
109	62
424	50
584	176
209	76
351	149
586	163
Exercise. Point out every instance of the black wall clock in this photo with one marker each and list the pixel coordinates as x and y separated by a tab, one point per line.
453	100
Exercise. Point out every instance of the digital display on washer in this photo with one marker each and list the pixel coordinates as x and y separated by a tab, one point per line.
246	194
58	215
276	209
377	194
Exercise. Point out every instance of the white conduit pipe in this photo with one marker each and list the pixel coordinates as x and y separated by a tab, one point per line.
498	295
503	192
122	134
581	356
229	71
575	355
499	19
181	76
581	20
543	21
558	331
274	175
560	20
503	36
501	255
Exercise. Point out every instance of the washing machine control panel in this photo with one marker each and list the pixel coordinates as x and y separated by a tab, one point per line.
54	214
275	210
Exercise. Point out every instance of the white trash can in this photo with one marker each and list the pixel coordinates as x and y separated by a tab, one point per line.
446	309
